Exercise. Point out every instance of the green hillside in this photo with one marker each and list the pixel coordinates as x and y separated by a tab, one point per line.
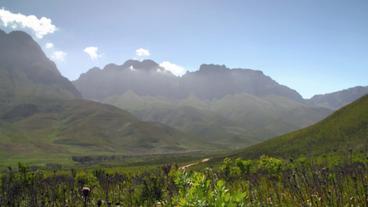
232	121
346	129
59	129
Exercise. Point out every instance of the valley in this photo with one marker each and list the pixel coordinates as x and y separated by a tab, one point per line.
185	104
119	111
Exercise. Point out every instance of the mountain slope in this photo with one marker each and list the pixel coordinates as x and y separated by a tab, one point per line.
345	129
143	77
234	120
25	71
216	81
84	127
190	115
231	107
338	99
43	116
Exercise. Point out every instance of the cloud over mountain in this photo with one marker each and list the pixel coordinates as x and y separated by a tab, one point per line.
173	68
39	26
142	53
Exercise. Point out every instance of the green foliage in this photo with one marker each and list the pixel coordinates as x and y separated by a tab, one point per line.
84	178
267	181
269	164
244	165
197	190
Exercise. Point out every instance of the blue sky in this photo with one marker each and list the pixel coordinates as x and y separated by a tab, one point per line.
313	46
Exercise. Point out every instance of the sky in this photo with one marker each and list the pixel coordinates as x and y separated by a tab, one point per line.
312	46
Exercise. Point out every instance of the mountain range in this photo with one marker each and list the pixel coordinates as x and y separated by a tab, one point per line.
141	108
230	107
42	114
147	78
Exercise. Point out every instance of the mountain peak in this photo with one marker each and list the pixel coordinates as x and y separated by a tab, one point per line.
220	69
2	32
211	68
16	33
145	65
25	68
110	66
20	34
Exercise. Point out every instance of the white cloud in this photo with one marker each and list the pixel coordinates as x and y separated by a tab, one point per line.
173	68
49	45
142	53
58	56
40	26
92	52
132	68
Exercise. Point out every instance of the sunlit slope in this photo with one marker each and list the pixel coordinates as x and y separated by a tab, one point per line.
78	127
346	129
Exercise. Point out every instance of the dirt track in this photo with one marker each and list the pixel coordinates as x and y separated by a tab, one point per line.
194	163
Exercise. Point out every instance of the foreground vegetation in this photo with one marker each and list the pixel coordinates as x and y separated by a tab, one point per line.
267	181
